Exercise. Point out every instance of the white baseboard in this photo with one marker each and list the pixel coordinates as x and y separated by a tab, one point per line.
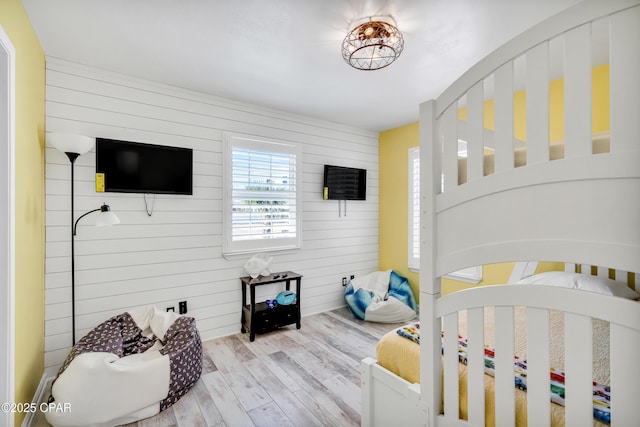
37	398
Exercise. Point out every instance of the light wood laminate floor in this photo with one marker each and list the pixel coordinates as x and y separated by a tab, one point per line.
289	377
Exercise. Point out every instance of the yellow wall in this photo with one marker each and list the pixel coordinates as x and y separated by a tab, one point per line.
599	110
393	243
393	249
29	303
394	146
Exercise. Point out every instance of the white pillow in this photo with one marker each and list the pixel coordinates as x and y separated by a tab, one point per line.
583	282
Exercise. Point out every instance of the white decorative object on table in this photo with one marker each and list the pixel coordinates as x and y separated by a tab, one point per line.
258	265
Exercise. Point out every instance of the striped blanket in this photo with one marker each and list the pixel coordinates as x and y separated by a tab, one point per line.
601	392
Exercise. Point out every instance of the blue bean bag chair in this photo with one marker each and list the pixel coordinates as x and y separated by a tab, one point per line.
381	296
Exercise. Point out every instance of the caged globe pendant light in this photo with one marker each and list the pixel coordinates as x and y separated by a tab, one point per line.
373	44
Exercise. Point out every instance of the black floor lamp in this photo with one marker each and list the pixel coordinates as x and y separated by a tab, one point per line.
74	146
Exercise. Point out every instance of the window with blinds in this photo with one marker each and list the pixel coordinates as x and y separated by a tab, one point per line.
261	195
471	274
414	208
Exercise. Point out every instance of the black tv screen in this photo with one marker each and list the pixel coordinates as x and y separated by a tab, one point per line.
133	167
341	183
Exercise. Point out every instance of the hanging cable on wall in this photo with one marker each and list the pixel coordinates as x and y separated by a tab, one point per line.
146	205
340	208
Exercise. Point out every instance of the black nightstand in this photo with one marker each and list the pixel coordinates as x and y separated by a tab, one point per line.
257	317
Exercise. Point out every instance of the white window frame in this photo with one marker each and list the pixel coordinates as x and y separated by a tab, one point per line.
471	274
7	223
238	247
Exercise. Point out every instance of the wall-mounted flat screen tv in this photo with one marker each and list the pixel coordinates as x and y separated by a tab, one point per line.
342	183
133	167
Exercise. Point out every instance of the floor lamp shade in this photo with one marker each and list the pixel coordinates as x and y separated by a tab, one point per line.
71	143
106	217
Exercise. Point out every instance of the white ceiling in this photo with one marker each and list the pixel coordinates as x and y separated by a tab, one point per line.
285	54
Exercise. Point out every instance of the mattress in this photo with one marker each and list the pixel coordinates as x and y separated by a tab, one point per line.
402	357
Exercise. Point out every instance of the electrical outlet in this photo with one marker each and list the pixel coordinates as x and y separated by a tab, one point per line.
344	281
182	307
172	308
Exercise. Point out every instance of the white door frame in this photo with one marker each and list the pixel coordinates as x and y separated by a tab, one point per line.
7	224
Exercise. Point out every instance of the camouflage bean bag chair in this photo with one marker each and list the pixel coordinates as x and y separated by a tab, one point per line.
130	367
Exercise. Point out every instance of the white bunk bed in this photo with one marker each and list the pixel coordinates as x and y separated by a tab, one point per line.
583	208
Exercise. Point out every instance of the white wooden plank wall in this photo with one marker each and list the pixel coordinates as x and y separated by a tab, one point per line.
175	254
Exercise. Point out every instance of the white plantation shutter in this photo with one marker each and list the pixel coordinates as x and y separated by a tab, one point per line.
414	208
261	209
471	274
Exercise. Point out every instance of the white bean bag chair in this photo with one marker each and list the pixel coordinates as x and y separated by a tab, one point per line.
128	368
381	296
